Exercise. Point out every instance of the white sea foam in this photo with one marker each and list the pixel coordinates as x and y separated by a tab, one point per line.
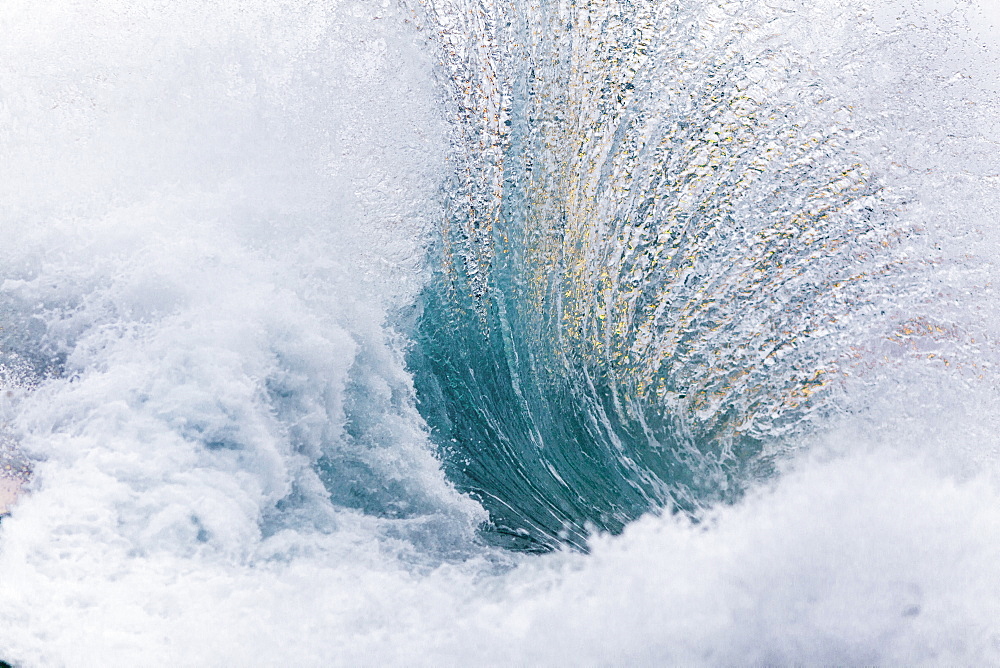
208	211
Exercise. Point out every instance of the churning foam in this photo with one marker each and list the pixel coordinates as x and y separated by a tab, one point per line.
210	213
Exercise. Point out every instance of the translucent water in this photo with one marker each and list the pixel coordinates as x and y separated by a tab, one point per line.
320	320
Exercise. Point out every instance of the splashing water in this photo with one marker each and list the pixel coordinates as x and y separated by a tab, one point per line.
320	319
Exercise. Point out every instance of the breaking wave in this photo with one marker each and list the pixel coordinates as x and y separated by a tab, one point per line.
365	333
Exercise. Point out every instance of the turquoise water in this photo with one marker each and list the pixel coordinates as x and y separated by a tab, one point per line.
643	299
472	333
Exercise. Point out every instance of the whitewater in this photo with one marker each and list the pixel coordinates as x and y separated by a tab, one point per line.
341	332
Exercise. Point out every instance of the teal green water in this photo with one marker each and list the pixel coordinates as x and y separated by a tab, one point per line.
643	287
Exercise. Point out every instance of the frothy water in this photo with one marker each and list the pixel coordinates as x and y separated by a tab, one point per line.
319	320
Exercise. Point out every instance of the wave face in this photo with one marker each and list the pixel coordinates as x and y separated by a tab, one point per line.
474	333
666	239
